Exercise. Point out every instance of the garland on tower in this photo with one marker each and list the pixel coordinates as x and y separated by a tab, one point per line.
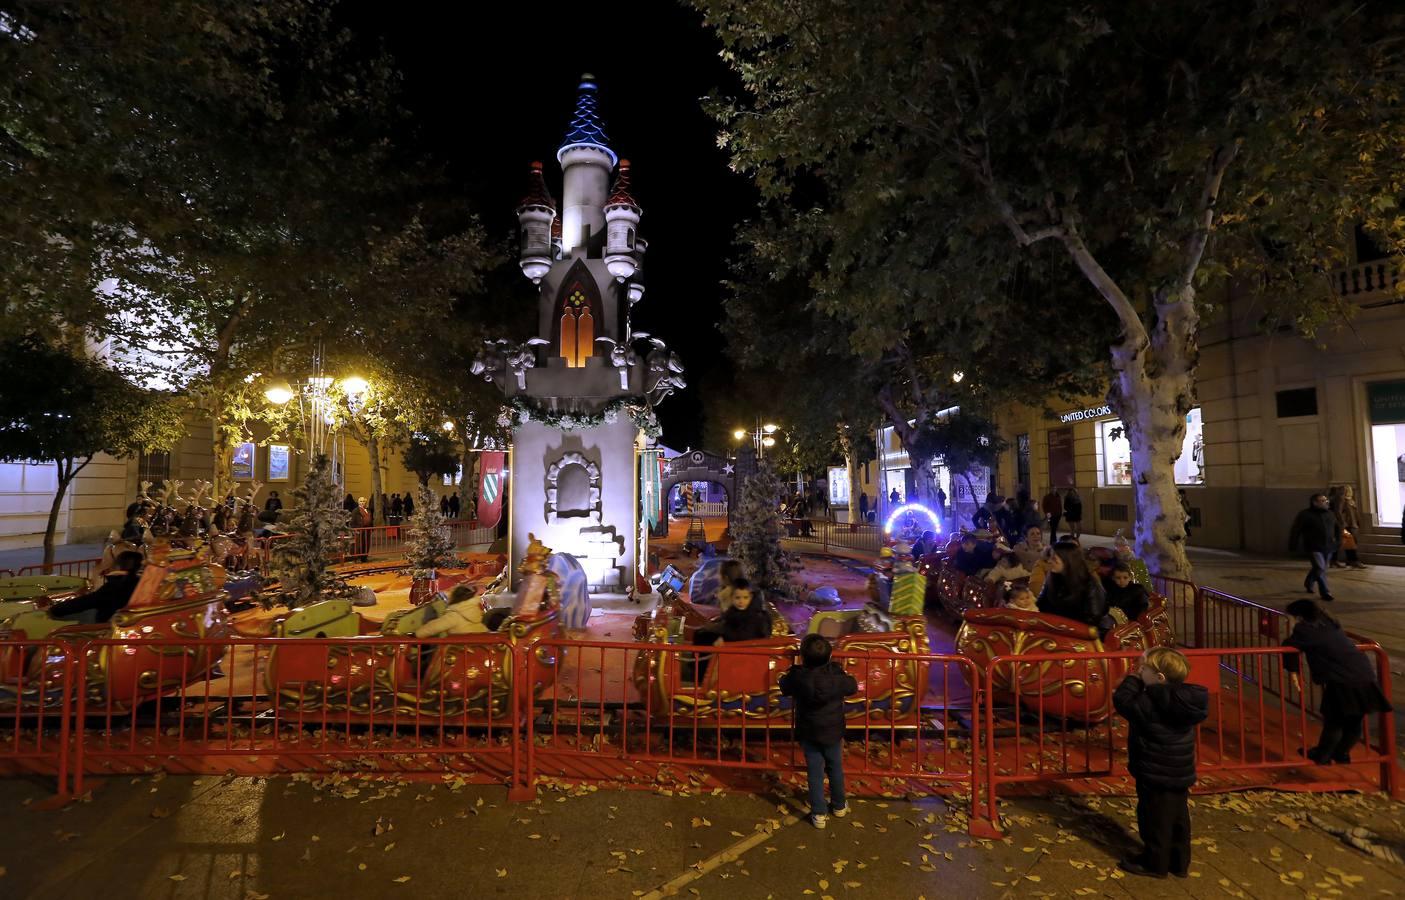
320	533
521	411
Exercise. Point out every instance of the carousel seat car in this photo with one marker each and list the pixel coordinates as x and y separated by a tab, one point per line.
179	596
1070	688
742	690
465	679
41	587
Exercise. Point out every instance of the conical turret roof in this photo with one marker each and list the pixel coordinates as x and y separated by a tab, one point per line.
621	195
537	194
586	128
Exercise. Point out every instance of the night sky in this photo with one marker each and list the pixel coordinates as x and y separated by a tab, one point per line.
490	96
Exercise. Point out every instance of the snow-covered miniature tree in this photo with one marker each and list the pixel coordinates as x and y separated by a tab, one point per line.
428	541
756	533
320	533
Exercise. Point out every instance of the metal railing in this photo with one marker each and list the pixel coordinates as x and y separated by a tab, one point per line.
517	712
379	542
78	568
827	536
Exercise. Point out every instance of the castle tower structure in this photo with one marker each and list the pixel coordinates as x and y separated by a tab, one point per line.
582	390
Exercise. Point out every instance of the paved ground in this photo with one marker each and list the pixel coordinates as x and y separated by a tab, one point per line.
247	839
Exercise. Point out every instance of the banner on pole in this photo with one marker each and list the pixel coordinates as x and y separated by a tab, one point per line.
492	484
651	485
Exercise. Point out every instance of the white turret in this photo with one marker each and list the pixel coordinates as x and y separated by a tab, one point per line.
621	225
586	163
536	214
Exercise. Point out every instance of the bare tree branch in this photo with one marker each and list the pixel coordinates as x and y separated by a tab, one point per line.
1195	245
1133	329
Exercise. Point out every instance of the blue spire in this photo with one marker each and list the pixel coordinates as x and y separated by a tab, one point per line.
586	129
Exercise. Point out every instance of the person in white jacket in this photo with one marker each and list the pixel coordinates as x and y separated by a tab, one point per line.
464	616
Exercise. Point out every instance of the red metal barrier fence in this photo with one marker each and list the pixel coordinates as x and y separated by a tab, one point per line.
79	568
378	542
489	708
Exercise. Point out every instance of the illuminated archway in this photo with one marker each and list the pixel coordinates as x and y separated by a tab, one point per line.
912	508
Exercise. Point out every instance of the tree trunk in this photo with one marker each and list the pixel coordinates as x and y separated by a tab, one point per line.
373	447
67	471
1152	391
924	480
851	472
221	448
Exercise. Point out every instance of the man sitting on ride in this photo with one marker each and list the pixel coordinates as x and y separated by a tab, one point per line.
975	556
102	604
1071	590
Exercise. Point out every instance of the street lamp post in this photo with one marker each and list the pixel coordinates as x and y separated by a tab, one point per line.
762	437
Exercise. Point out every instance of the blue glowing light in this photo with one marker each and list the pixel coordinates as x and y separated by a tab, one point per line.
911	508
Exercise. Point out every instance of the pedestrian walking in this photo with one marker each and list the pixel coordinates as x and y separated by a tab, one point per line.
1342	500
1162	711
1185	511
1073	513
397	508
863	505
1317	533
1052	505
1350	690
443	506
409	505
818	686
454	505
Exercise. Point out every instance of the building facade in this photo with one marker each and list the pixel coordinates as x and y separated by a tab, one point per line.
1277	417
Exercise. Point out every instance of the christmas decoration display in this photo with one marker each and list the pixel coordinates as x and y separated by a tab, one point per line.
538	590
522	411
429	545
756	534
320	533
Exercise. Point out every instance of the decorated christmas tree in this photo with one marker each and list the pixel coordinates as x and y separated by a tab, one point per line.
320	534
428	541
756	534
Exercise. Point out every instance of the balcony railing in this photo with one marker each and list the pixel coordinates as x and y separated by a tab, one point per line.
1374	283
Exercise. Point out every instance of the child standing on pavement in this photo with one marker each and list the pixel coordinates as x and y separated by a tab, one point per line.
819	686
1162	712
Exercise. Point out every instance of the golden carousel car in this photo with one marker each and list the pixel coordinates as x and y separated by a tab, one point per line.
1069	688
179	596
382	674
745	693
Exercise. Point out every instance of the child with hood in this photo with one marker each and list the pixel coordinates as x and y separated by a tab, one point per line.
819	686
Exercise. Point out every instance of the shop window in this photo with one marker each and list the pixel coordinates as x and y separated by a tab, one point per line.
1296	402
1115	453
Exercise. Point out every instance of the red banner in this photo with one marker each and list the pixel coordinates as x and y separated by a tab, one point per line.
492	486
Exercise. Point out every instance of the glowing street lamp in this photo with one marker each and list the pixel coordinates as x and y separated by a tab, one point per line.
354	385
278	392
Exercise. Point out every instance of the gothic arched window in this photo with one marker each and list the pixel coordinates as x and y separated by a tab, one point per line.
579	310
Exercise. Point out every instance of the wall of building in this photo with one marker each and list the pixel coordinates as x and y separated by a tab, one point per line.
1259	469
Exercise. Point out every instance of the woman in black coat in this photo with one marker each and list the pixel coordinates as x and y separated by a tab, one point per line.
1071	590
1350	691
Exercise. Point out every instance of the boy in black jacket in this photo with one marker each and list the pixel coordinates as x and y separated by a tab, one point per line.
1162	711
819	687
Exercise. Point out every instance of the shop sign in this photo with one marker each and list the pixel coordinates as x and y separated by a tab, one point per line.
1092	412
1386	401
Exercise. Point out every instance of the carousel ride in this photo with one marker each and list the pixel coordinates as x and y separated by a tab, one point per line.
179	596
462	668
